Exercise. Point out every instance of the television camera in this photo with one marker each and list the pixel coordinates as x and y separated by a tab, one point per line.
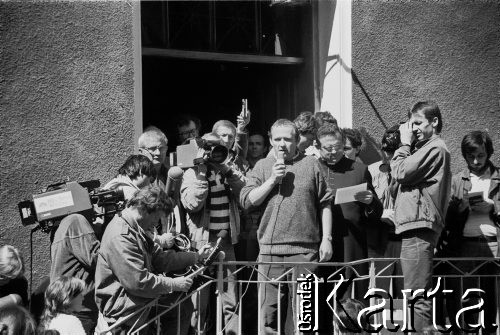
65	198
188	155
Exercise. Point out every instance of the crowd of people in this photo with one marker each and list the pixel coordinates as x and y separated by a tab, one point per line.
273	198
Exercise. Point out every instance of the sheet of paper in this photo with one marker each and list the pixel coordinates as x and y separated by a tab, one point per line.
346	194
475	198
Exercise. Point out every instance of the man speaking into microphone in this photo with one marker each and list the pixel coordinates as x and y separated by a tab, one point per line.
296	223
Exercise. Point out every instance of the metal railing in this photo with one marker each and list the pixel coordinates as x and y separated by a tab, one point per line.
456	273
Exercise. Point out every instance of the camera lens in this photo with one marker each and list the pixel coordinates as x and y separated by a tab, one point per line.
218	154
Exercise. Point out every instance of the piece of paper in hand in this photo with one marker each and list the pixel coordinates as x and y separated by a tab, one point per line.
346	194
475	198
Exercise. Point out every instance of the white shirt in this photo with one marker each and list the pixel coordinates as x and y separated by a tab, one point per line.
67	324
479	221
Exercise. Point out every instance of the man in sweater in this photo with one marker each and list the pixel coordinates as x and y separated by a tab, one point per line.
294	194
422	168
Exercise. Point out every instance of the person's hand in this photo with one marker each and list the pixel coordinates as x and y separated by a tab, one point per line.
181	284
463	204
219	167
365	197
166	240
325	250
202	171
406	133
204	252
242	121
278	172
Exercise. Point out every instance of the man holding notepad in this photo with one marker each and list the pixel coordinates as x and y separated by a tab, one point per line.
355	200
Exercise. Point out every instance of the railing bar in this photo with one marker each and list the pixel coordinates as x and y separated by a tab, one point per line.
372	276
279	308
259	306
240	306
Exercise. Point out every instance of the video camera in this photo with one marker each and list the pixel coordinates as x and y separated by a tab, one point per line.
187	155
62	199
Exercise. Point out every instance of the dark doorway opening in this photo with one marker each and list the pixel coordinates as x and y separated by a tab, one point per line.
213	91
202	57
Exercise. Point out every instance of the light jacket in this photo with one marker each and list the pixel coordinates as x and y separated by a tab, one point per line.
129	267
123	183
424	178
456	219
194	194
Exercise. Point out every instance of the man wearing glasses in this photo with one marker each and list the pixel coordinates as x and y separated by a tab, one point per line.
153	144
188	127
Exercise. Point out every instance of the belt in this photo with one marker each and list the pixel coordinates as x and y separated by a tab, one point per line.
480	238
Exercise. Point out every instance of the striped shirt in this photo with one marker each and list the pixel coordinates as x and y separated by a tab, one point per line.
218	203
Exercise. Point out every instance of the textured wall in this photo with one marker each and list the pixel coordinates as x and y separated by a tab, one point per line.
66	101
448	51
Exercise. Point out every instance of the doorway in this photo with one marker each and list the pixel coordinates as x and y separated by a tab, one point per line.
202	57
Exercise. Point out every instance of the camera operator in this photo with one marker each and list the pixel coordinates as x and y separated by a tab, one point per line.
129	261
74	253
137	172
210	192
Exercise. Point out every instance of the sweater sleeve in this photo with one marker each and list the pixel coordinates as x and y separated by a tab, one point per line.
412	169
254	179
194	192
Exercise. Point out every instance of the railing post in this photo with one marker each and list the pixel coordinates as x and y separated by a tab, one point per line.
220	288
372	273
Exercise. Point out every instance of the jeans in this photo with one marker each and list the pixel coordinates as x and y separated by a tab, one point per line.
229	294
469	249
176	321
417	251
274	293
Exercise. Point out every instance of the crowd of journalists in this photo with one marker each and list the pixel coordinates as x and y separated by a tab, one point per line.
274	196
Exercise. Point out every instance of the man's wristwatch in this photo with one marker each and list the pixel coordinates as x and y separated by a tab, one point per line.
329	238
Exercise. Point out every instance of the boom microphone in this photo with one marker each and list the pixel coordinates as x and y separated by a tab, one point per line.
174	177
215	250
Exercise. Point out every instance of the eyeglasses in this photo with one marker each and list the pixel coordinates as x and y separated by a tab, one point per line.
157	148
330	149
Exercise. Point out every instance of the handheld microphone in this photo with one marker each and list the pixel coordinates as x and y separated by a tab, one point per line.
280	160
175	174
215	249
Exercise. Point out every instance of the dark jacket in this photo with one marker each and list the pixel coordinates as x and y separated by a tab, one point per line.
74	253
129	267
344	174
350	219
455	218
